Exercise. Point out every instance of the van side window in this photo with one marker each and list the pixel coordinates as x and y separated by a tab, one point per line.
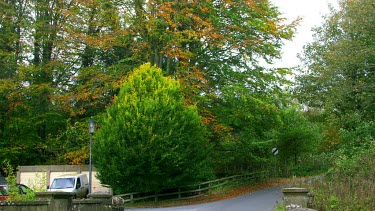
78	183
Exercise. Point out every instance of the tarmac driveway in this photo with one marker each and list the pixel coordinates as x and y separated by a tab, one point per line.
264	200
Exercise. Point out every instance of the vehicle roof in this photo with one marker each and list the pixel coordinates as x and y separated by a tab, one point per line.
70	175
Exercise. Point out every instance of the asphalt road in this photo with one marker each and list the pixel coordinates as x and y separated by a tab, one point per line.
264	200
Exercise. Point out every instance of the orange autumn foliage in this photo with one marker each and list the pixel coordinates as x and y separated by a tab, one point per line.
77	157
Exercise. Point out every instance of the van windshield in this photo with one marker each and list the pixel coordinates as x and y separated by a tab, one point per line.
61	183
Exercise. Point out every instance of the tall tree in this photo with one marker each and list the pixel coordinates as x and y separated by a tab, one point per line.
215	37
65	61
12	21
295	135
340	67
30	114
158	141
240	130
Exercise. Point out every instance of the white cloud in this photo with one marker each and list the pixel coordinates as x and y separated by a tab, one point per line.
311	12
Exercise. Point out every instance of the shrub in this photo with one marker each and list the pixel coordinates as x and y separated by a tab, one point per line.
350	185
12	188
150	139
312	164
39	183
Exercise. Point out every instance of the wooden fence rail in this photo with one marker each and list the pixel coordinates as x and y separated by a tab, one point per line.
191	191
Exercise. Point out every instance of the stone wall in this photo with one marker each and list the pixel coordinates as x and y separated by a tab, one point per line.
61	201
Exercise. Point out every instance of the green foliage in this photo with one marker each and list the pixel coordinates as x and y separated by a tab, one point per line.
339	81
150	139
296	135
279	207
310	164
333	203
71	145
12	188
39	182
28	118
11	179
355	140
80	52
349	185
240	130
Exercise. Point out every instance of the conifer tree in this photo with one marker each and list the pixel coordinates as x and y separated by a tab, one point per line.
150	139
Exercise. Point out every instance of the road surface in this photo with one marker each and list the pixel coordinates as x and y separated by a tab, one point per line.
264	200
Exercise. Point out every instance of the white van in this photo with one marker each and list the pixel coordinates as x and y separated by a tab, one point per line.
76	183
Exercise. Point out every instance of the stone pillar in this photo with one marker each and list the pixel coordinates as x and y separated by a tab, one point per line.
58	200
295	196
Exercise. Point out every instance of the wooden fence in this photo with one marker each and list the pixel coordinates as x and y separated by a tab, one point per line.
191	191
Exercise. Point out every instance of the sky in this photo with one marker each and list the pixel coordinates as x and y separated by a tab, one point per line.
311	12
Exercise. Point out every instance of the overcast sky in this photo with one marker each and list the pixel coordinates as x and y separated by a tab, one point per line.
311	12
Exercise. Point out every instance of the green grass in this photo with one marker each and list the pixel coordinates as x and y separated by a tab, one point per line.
279	207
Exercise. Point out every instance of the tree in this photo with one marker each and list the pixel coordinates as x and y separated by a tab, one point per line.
64	61
11	22
150	139
239	131
296	135
339	79
209	44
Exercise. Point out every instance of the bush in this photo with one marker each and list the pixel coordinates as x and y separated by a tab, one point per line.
150	139
38	184
350	185
312	164
296	136
12	188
